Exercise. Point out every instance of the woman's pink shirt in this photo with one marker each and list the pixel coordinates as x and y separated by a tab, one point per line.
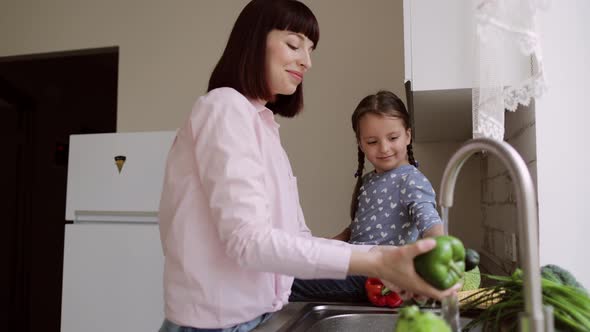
231	225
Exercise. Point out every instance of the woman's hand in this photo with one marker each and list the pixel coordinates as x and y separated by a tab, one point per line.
395	267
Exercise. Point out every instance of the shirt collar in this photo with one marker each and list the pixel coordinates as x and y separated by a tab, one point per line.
264	112
258	104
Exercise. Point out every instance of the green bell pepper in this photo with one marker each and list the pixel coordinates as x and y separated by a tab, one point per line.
411	319
443	266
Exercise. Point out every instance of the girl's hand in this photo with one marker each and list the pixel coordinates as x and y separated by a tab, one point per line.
396	270
404	294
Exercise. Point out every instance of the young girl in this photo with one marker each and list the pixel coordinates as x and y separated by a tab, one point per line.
392	205
395	203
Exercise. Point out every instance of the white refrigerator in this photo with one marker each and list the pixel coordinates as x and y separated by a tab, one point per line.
113	261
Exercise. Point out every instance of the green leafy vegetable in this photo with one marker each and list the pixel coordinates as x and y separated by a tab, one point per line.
471	280
558	274
571	306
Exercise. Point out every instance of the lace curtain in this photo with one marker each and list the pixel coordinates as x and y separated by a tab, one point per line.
508	62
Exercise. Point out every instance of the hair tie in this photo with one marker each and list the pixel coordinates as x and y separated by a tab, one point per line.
357	174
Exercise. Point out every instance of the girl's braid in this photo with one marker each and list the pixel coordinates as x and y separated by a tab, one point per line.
411	156
359	176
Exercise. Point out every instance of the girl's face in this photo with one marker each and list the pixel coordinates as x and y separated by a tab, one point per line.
384	140
288	57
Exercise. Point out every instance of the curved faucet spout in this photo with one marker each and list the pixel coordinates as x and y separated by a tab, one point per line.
533	318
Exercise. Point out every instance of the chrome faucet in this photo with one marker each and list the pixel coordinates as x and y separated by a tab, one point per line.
535	318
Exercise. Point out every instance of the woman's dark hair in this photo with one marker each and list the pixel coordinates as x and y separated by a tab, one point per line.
383	103
242	65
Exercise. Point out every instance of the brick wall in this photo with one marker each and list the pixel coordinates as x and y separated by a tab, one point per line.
498	200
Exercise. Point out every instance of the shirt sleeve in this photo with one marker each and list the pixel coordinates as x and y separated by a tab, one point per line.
231	172
419	197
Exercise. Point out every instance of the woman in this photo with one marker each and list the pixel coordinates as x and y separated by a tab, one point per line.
231	225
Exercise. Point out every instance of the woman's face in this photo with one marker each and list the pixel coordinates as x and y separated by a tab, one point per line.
288	57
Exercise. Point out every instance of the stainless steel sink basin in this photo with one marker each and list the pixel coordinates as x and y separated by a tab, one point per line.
343	318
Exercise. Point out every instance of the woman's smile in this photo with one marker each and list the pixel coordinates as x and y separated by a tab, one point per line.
296	74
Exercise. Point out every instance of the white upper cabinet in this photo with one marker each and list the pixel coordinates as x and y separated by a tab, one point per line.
440	63
438	47
438	41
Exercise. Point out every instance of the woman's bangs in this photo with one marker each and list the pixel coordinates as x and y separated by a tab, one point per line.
299	19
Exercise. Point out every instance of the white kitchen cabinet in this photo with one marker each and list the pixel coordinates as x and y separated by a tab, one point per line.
438	44
440	47
438	56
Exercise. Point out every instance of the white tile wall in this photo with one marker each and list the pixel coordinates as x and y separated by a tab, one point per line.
498	198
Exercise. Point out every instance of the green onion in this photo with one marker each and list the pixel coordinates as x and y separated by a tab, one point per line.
571	307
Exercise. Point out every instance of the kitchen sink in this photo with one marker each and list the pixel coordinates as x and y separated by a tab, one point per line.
315	317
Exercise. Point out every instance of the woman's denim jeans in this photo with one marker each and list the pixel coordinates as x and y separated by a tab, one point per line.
168	326
352	289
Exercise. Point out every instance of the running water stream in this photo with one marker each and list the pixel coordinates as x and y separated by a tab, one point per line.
450	312
450	304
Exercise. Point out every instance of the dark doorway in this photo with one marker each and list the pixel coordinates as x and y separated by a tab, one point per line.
44	98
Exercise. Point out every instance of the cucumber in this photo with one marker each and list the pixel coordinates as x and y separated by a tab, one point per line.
471	259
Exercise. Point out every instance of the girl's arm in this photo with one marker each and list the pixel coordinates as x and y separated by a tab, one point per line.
421	201
435	230
343	236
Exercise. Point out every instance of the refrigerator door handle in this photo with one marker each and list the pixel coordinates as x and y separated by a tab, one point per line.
115	217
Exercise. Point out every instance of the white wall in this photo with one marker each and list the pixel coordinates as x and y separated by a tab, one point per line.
498	205
563	117
167	50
